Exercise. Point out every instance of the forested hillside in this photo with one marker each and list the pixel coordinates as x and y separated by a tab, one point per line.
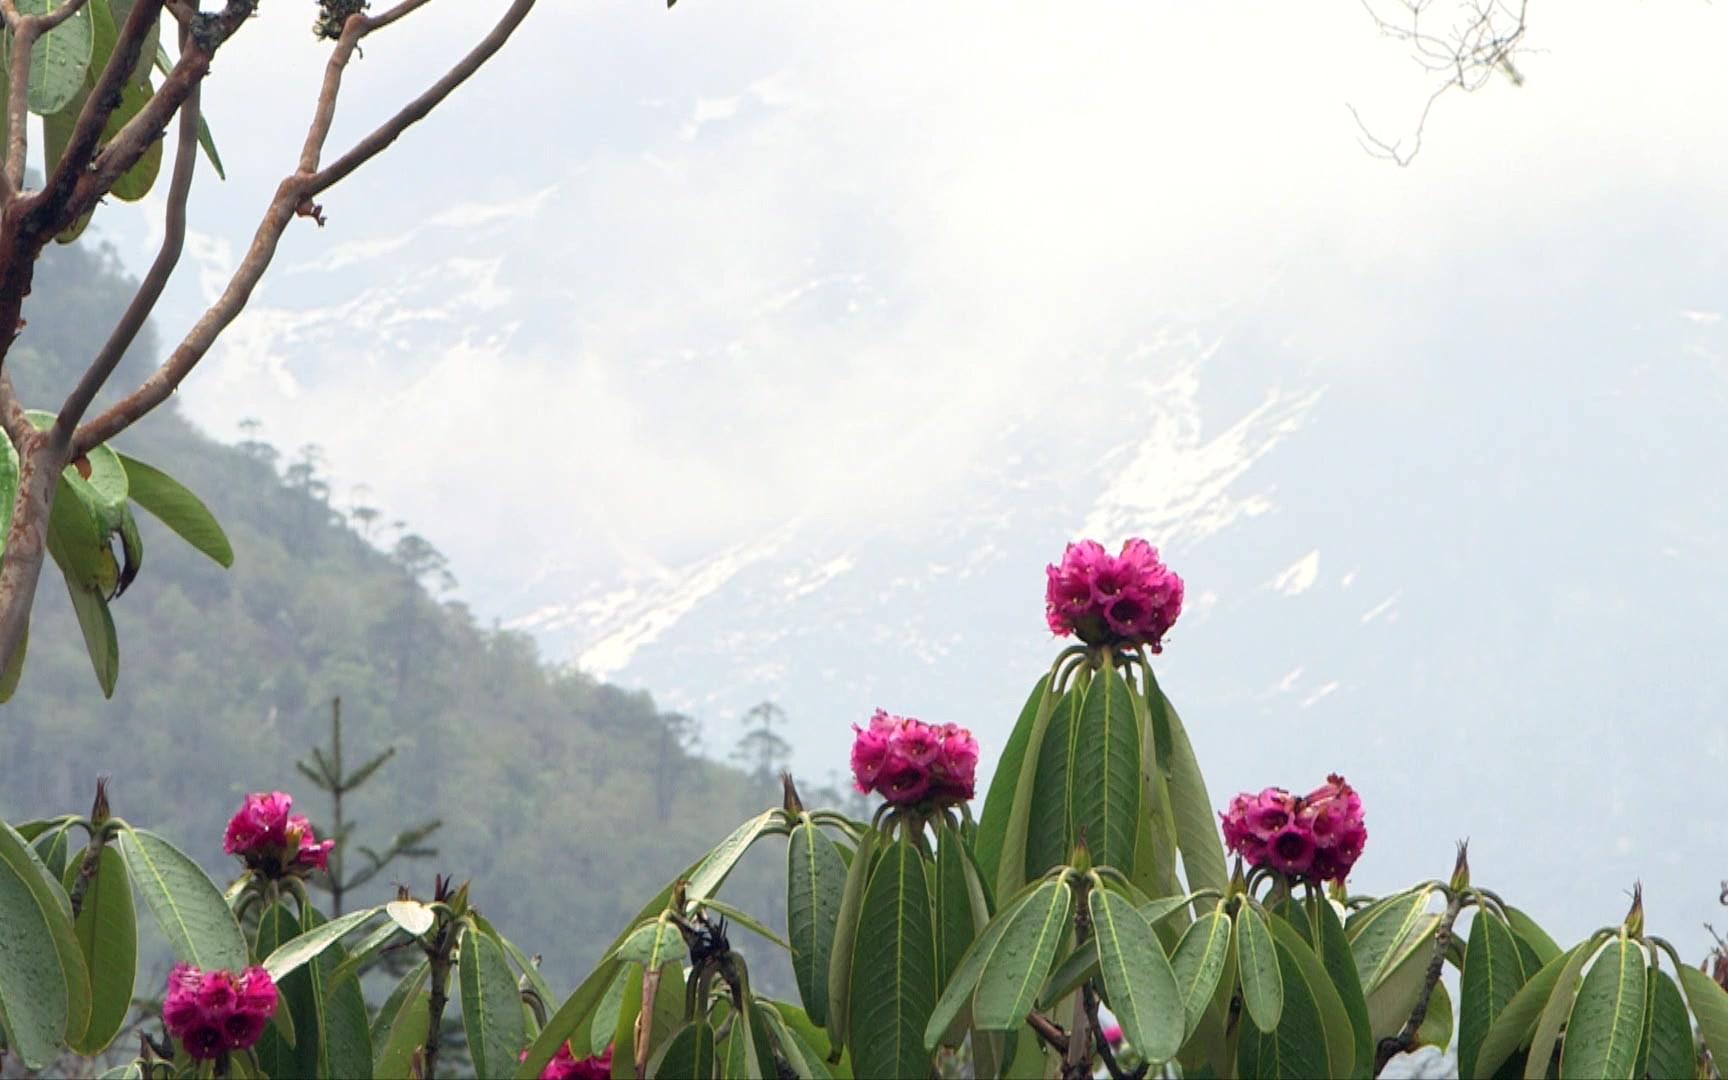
226	679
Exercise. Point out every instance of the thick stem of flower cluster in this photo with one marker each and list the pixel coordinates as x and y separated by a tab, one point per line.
93	852
1406	1038
1077	1062
438	960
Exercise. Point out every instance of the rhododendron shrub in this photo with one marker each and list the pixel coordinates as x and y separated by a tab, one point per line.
1096	914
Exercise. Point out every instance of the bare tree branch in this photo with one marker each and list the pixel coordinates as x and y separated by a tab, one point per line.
26	30
293	197
150	289
12	418
1481	38
415	111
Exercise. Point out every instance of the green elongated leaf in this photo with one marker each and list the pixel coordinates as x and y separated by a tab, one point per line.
297	995
804	1058
1296	1046
845	936
1709	1003
651	944
814	1040
1382	937
1257	967
1607	1019
1493	973
690	1054
1007	805
100	639
364	953
953	1005
51	847
59	60
1340	965
176	507
1104	803
1137	975
44	988
1076	968
136	182
183	900
1672	1051
711	872
1531	938
1335	1026
491	1007
894	969
1391	1002
952	903
525	964
330	1025
1156	843
405	1035
815	883
121	11
1156	911
747	921
1437	1022
8	469
345	1043
1555	1012
305	947
107	933
1197	835
1198	964
1017	967
1049	836
129	1071
1513	1027
390	1015
599	1031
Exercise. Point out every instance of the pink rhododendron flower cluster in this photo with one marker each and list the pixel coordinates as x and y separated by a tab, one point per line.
908	761
1129	599
216	1012
564	1065
273	841
1317	836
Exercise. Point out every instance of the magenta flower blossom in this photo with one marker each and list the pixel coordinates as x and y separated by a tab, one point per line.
907	761
1317	837
564	1065
217	1012
272	841
1129	599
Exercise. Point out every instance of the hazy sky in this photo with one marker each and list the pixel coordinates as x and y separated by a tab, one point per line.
660	293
